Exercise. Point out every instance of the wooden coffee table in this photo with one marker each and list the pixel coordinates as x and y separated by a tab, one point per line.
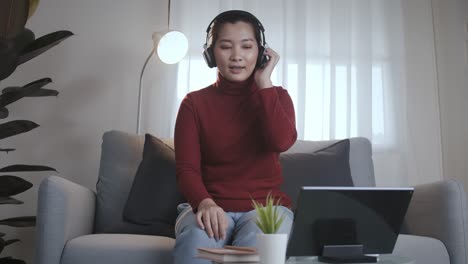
383	259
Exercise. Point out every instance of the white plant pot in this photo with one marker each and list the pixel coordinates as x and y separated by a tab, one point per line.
272	248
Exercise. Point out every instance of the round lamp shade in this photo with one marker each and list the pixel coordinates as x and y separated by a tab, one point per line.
172	46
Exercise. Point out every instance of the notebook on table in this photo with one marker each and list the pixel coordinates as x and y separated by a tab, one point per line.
229	254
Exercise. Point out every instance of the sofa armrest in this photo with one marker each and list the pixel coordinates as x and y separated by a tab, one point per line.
439	210
65	210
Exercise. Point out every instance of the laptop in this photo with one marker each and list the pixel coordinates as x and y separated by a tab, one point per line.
347	224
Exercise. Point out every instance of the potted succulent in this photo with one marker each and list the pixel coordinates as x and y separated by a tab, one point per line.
17	46
271	246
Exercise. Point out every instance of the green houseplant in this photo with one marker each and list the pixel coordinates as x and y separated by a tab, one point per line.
17	46
271	245
268	218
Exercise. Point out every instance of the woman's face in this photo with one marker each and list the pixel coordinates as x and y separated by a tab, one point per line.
236	51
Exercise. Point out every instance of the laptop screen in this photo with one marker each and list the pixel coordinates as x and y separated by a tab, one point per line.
336	216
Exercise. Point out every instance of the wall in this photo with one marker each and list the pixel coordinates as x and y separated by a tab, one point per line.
96	72
451	36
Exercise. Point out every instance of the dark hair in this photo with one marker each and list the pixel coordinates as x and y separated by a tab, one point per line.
234	17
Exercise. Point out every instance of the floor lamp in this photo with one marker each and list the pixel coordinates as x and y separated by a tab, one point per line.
171	47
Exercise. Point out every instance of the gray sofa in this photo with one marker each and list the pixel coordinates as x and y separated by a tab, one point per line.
72	219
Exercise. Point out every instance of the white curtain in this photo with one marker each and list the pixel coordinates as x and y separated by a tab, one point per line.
352	67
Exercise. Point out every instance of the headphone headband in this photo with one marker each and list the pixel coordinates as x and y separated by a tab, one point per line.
238	12
208	53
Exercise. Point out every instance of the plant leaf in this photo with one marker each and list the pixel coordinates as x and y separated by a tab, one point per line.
270	210
10	200
264	220
10	89
279	223
13	17
42	44
268	219
261	226
7	150
7	98
16	127
32	7
12	185
35	86
10	260
4	112
8	58
21	167
2	245
10	50
43	93
22	40
11	241
24	221
13	94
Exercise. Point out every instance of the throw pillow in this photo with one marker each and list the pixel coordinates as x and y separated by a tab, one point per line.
153	198
326	167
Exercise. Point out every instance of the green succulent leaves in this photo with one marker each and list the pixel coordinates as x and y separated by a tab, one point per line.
268	217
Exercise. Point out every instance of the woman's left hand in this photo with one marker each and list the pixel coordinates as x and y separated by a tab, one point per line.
263	76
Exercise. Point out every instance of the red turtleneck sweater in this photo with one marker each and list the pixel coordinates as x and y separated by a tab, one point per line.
228	137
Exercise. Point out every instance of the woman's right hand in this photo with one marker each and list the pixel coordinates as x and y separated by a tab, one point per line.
212	219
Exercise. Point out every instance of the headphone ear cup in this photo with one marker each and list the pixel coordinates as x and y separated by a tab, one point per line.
213	60
262	58
209	57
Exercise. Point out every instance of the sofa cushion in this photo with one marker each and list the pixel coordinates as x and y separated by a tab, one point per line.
421	249
118	249
154	196
360	157
325	167
120	156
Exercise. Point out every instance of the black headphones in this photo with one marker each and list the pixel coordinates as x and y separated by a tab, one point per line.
208	53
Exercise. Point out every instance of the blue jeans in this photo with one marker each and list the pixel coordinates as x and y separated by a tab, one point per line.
241	231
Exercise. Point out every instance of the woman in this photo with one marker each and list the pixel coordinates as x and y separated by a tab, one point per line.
228	138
